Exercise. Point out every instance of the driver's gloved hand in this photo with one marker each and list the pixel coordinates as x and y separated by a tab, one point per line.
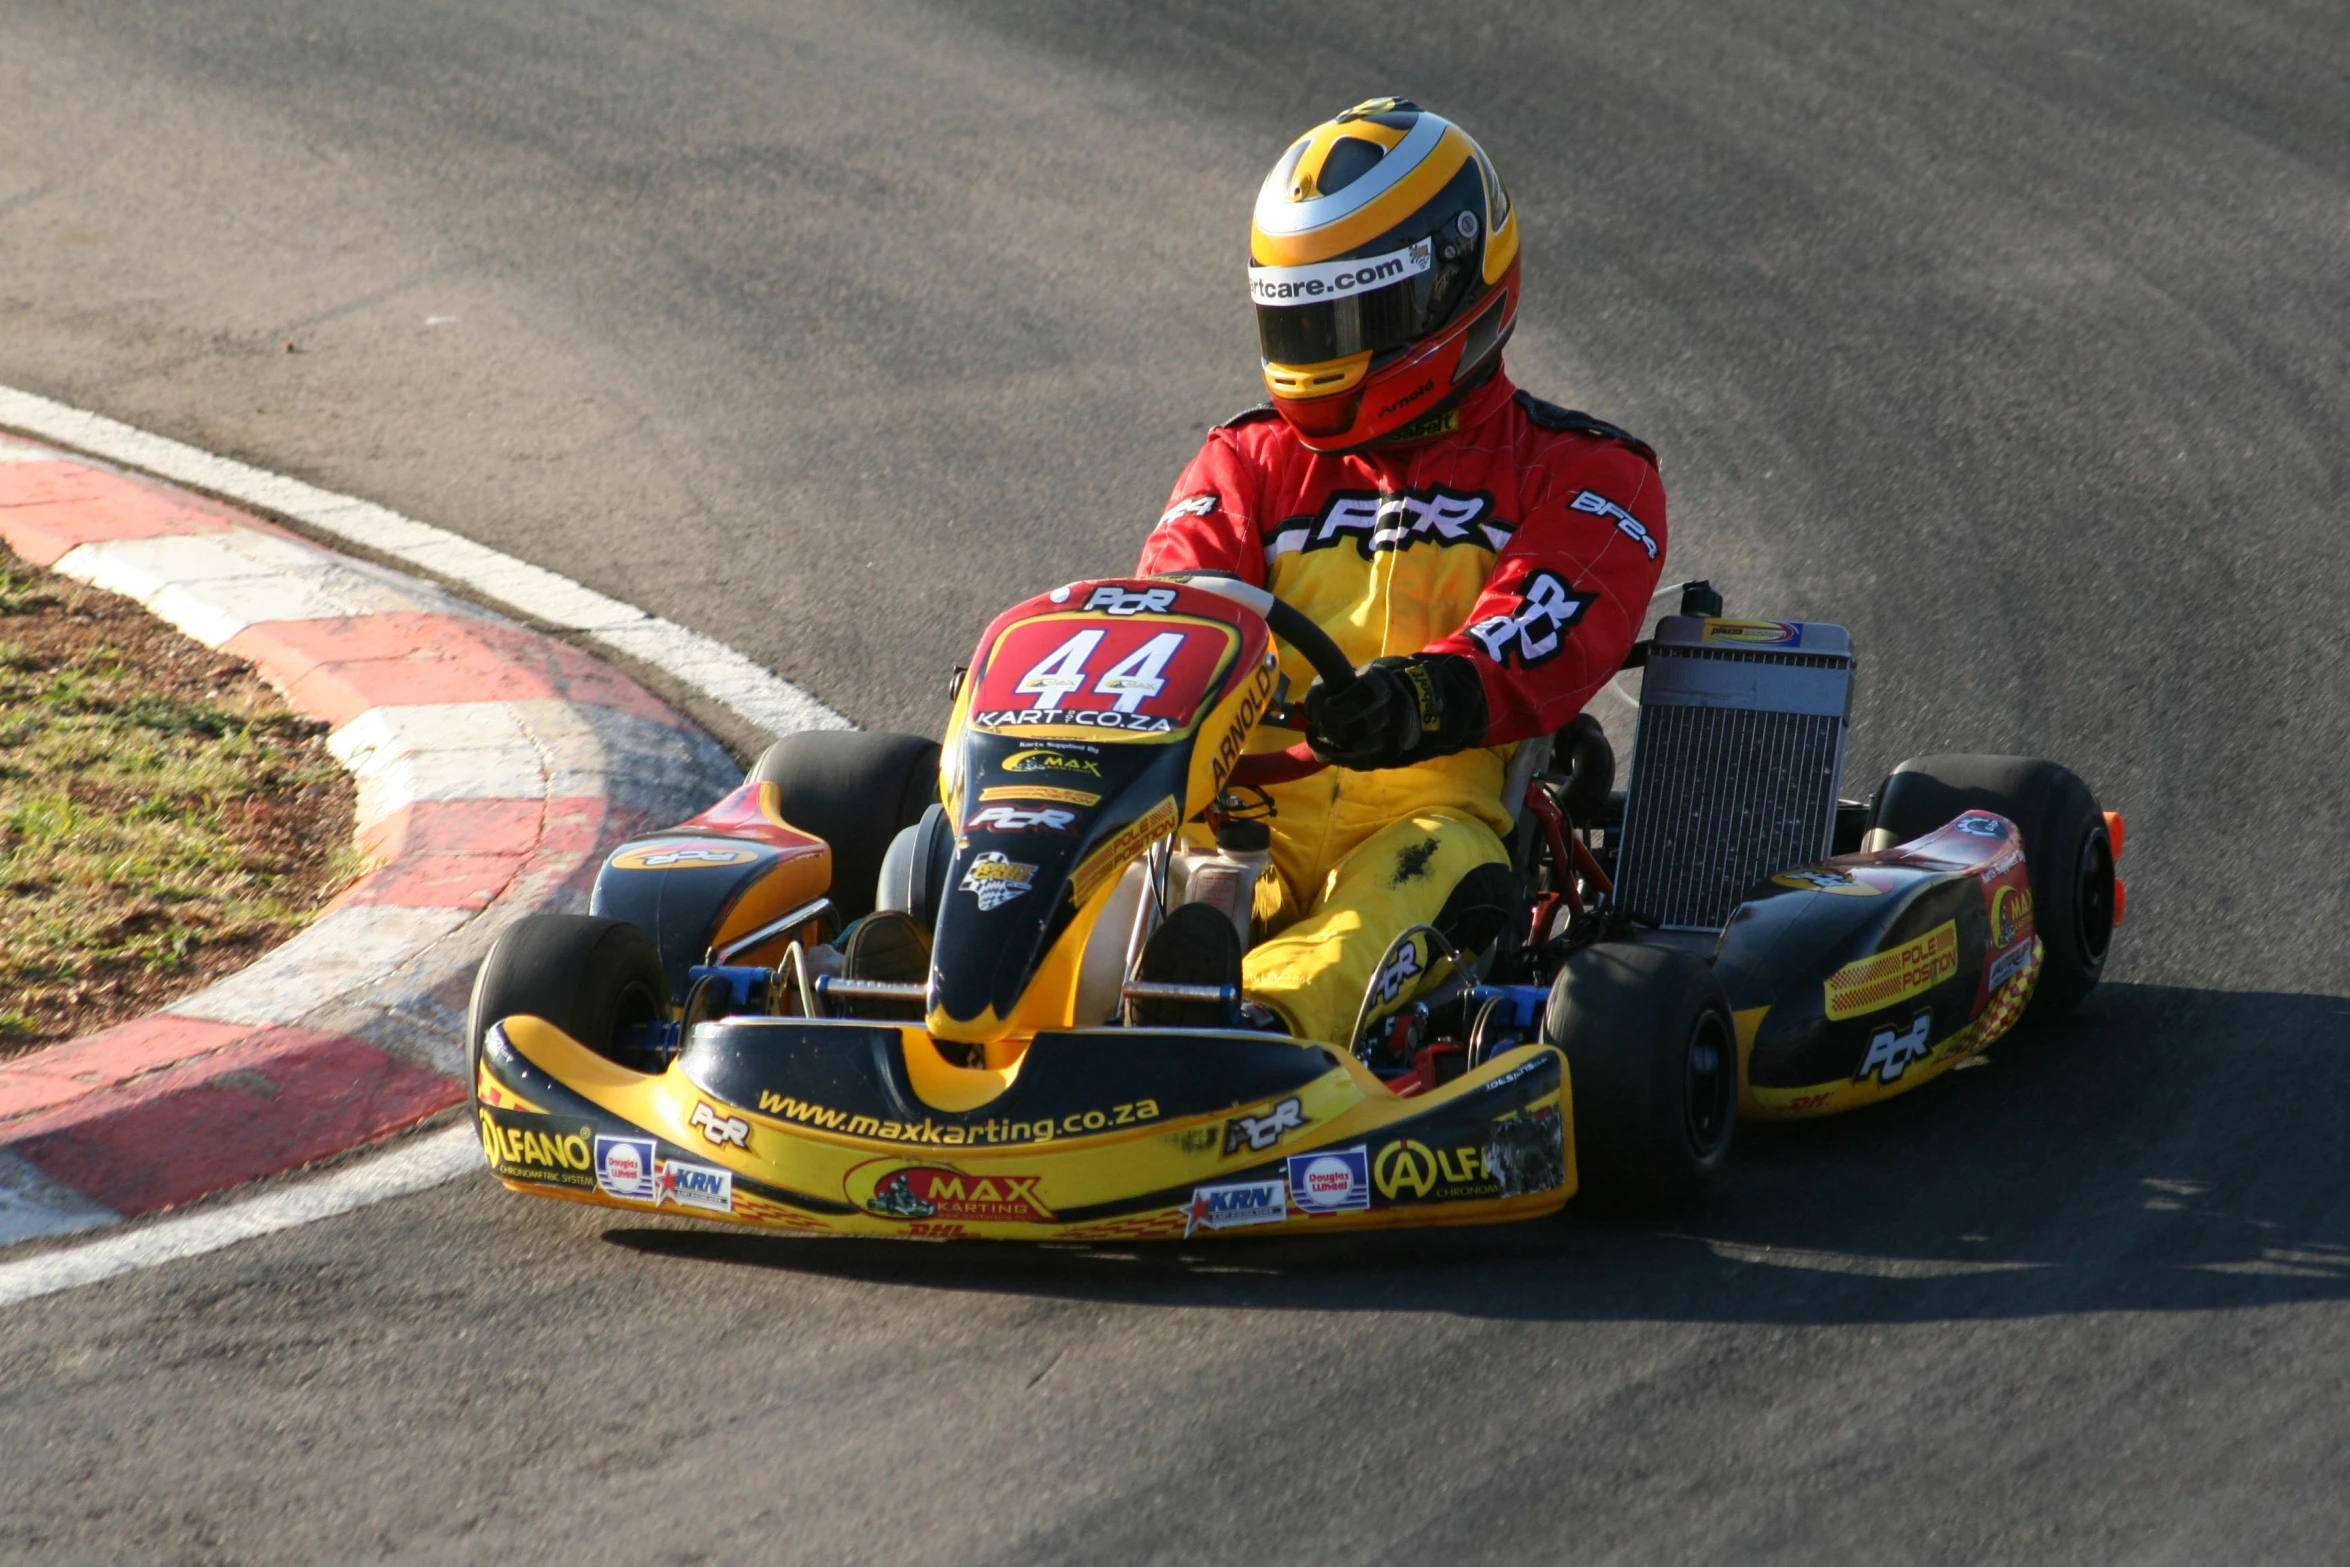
1398	711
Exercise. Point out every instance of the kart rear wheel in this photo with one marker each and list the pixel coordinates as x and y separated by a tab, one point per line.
599	980
2066	847
856	791
1652	1069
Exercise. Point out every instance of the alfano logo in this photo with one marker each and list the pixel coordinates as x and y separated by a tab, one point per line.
526	1153
1413	1169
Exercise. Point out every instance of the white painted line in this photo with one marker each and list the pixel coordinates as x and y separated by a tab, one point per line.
709	667
413	1166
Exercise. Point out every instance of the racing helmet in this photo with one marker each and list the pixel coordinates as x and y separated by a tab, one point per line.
1383	263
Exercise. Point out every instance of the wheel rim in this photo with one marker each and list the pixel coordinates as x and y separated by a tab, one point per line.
1711	1095
2093	897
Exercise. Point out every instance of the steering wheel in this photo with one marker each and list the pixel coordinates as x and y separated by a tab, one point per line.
1292	626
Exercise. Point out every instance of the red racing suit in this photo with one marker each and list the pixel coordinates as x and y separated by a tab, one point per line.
1526	539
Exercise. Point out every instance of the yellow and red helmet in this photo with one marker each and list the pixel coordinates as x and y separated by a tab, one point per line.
1383	262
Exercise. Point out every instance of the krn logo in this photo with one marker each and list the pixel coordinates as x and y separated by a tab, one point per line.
1236	1203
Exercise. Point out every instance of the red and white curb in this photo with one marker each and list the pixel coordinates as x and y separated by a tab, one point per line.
495	765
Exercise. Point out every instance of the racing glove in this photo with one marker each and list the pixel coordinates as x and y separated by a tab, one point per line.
1398	711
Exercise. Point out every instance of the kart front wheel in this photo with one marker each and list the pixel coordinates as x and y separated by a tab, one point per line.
2067	849
1652	1070
599	980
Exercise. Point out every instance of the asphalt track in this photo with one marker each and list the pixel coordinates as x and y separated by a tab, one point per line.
2015	336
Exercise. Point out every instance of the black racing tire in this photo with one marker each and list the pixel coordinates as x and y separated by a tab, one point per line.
2066	846
592	977
1652	1064
856	791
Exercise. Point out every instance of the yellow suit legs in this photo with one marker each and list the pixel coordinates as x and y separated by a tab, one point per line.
1333	922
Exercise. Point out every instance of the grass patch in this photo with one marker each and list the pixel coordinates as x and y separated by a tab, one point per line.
164	818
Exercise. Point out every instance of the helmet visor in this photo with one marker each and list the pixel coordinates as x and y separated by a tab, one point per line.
1331	309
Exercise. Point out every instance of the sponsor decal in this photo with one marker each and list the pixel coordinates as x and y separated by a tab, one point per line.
1111	855
726	1131
2001	866
1402	966
1029	791
898	1190
1528	1152
1754	633
1111	599
1434	424
2011	915
1234	1204
1081	717
1598	505
1336	1180
2011	964
1397	405
1202	505
1820	878
684	856
1377	520
1252	707
1013	818
1809	1101
1891	1050
692	1185
1256	1133
1197	1139
994	1130
1339	279
1536	630
995	880
624	1168
1890	978
1412	1168
550	1157
1041	759
1981	825
1096	671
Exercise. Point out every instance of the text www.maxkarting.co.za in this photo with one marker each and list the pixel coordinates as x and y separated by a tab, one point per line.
993	1130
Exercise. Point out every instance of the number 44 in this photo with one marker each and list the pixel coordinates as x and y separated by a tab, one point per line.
1131	681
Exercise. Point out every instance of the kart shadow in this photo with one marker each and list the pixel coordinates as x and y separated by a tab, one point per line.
2167	1150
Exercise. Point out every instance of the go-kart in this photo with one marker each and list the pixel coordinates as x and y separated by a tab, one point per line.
1725	936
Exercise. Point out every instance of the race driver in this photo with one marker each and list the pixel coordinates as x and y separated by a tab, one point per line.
1484	558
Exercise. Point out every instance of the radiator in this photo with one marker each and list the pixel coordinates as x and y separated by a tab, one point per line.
1735	764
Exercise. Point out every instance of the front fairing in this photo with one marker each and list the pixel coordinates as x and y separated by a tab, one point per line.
1018	880
1095	720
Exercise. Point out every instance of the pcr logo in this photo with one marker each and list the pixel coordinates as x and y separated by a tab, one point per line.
727	1131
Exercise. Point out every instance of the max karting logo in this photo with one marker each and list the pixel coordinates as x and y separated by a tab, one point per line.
1534	632
1373	520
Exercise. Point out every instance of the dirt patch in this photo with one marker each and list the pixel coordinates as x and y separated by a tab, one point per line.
164	818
